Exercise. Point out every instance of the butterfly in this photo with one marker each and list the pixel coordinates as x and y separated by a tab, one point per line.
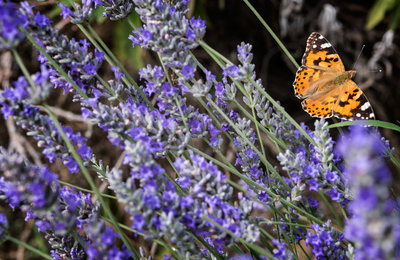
325	85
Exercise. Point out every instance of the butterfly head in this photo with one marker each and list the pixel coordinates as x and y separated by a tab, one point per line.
352	73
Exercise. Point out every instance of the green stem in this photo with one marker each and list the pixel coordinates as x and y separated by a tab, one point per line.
30	248
85	190
23	68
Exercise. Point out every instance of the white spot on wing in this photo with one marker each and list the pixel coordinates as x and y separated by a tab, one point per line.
358	115
314	46
371	115
326	45
321	37
365	106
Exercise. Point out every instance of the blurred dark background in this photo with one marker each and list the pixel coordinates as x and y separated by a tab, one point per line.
347	25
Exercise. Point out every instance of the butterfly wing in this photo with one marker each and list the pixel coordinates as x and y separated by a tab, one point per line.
320	64
352	104
320	54
321	104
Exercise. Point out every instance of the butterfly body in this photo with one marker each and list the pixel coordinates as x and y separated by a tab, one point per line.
342	78
325	85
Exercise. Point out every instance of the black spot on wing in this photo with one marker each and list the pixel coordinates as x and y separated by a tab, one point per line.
350	97
326	60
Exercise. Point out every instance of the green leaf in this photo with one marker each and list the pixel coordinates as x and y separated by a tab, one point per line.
368	122
377	12
123	47
98	15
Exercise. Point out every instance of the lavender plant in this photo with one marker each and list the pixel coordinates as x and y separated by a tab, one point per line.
175	193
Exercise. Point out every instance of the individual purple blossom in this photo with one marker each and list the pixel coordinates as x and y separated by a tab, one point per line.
90	69
188	71
169	91
118	74
135	38
312	202
216	139
373	228
42	20
199	125
65	11
146	36
232	70
219	90
335	195
190	34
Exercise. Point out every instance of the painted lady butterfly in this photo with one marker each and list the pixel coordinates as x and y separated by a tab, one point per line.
326	87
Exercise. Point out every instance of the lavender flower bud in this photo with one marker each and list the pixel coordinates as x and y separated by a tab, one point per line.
80	15
117	9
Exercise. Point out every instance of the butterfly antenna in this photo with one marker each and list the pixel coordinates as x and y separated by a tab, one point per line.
362	48
378	71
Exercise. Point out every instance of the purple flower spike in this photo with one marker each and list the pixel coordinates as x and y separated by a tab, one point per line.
373	227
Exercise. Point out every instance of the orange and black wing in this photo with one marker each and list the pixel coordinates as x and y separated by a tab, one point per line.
320	63
352	104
